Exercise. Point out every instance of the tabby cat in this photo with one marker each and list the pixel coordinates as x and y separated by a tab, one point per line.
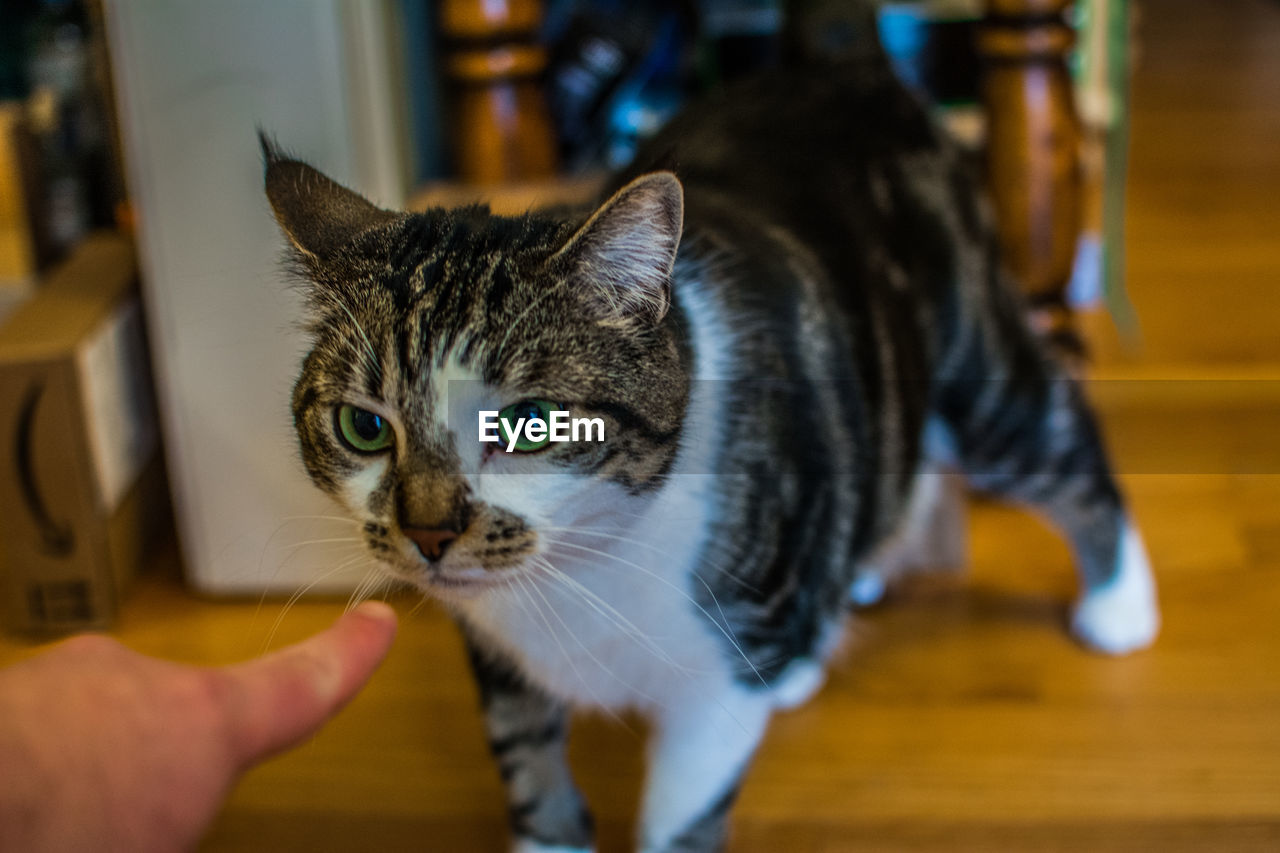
790	316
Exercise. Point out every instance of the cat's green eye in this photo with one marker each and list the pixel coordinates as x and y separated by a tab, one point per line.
528	410
362	430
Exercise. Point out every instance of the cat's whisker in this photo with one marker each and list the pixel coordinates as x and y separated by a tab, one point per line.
294	551
342	518
346	564
298	594
422	602
590	654
328	541
519	593
378	588
285	522
367	588
608	613
647	642
612	615
689	674
586	531
372	585
352	550
723	629
262	557
355	592
568	658
702	558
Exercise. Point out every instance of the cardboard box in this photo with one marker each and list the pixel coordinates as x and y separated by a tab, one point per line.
82	489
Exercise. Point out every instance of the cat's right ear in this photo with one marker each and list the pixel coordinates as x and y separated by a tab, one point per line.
625	252
316	213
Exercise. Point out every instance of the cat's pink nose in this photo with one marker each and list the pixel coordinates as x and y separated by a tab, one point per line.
431	541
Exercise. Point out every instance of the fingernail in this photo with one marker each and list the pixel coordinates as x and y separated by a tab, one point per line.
379	611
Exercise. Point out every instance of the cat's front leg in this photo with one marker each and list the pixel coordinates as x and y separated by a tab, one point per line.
527	731
701	747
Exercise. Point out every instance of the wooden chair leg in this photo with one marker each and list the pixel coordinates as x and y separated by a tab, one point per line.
1033	151
501	129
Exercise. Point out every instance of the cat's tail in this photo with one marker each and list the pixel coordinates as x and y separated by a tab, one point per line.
834	31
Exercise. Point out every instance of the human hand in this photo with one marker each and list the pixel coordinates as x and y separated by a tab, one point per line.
102	748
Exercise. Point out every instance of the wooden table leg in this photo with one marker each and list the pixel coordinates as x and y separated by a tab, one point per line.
1033	152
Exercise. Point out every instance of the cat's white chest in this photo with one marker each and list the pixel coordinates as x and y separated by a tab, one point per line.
611	623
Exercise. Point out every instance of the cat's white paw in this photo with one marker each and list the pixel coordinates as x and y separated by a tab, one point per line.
798	683
1122	616
529	845
868	588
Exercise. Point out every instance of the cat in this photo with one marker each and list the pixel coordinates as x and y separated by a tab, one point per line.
790	316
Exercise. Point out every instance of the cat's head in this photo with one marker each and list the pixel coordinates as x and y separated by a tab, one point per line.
420	321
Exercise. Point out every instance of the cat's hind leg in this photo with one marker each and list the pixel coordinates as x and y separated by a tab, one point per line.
1032	438
527	732
930	536
1121	615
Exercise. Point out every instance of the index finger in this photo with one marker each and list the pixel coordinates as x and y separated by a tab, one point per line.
276	701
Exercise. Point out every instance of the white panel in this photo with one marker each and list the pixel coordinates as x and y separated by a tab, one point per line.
194	78
375	87
116	397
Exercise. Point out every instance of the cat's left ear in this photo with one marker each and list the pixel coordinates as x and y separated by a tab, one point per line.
625	252
316	213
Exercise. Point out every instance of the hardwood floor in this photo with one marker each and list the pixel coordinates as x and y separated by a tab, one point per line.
961	716
1204	175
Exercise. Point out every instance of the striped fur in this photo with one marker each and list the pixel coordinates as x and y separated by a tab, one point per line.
765	393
